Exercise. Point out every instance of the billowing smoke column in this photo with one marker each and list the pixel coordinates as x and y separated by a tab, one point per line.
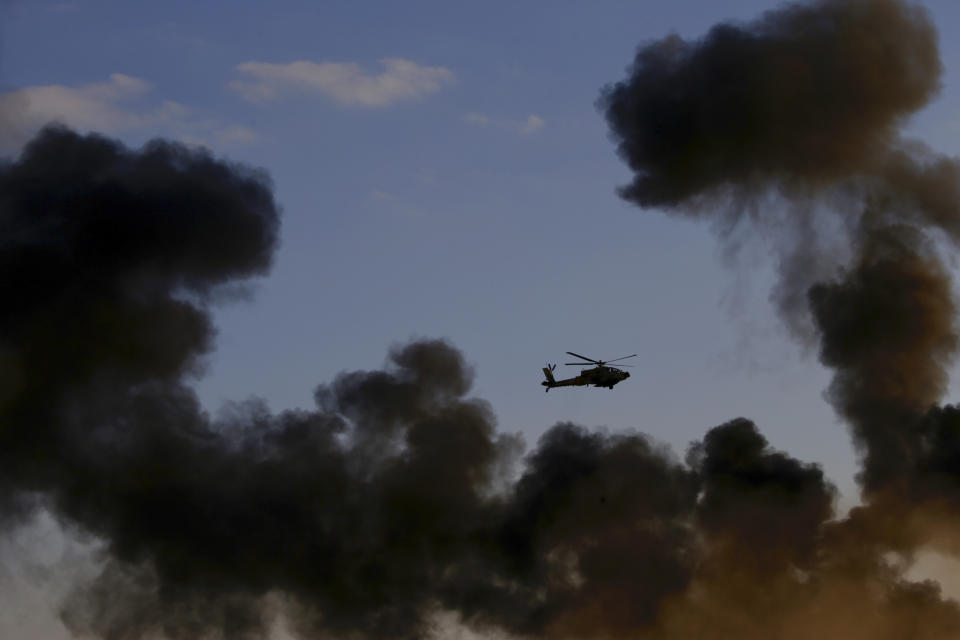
788	126
396	499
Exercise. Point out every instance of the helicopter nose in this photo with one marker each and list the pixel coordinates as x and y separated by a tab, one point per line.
627	373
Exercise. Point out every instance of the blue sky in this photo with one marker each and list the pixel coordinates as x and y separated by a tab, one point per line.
444	172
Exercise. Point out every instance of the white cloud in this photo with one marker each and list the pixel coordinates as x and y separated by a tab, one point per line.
532	124
344	82
235	134
210	134
101	106
91	106
62	7
476	118
113	107
377	194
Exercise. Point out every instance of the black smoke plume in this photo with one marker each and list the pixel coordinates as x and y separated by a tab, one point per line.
806	95
805	104
788	128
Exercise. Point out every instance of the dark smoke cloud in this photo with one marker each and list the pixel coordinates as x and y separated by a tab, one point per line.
888	331
592	514
806	103
805	95
101	250
765	506
787	128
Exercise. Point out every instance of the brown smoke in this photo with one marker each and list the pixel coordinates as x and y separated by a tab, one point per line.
805	103
789	126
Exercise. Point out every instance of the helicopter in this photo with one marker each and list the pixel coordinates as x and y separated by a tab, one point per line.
599	376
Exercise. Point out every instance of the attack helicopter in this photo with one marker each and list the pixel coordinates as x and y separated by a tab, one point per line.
599	376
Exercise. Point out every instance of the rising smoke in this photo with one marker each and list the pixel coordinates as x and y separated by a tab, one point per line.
397	498
789	127
805	104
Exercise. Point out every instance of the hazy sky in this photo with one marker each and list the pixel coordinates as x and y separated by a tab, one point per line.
443	171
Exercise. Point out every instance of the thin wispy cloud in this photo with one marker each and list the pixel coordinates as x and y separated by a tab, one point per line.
346	83
235	134
477	119
386	196
531	124
397	205
180	35
120	105
62	7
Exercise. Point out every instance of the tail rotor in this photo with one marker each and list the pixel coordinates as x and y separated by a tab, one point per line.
548	373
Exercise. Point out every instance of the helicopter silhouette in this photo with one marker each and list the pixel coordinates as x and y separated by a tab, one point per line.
599	376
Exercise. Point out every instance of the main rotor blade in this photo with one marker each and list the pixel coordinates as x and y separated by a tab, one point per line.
577	355
624	357
583	364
